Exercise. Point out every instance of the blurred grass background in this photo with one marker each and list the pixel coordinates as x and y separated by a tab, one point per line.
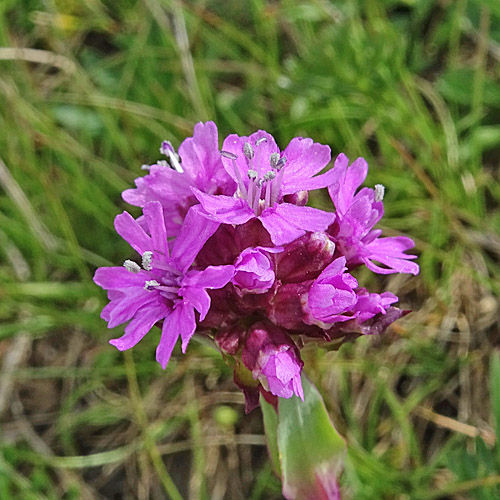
87	92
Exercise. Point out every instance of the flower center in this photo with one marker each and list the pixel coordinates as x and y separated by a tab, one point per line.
162	277
261	183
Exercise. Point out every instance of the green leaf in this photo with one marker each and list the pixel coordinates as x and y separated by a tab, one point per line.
311	450
271	429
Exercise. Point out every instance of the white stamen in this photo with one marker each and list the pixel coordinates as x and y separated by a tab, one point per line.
281	163
150	284
131	266
145	167
228	154
237	173
258	190
248	150
174	160
274	159
260	141
379	192
165	147
267	198
163	163
252	174
147	257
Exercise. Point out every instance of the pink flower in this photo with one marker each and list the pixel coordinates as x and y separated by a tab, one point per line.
274	360
254	270
331	295
356	215
164	288
198	165
266	180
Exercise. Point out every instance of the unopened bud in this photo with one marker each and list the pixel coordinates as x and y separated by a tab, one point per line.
305	258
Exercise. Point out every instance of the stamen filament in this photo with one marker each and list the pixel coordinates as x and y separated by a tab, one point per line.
241	184
256	201
268	194
237	173
277	186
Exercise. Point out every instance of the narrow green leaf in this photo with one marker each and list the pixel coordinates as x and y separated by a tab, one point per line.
271	429
311	450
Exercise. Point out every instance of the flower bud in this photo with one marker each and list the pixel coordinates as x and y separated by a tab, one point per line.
274	360
331	295
254	270
285	308
305	258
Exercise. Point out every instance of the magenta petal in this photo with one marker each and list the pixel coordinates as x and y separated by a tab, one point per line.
153	214
393	265
278	227
128	228
136	196
129	304
394	245
333	269
198	298
211	277
389	252
234	144
286	222
139	326
225	209
200	153
180	322
169	336
187	324
194	234
349	179
115	278
294	184
305	157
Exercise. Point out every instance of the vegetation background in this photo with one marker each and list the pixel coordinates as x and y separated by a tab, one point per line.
87	92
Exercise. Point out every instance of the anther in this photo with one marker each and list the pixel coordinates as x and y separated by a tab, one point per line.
281	162
145	167
260	141
131	266
274	159
150	284
166	148
174	161
147	257
269	176
228	154
163	163
248	150
379	192
252	174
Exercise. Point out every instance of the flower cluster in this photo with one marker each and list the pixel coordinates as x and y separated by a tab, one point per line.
228	248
